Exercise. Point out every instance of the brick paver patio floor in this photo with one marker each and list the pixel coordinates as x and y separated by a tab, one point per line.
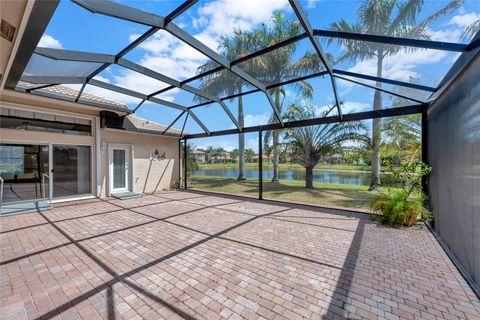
190	255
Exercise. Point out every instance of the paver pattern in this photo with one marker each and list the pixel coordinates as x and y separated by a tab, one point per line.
175	255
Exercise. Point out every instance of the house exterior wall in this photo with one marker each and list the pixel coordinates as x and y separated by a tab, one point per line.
199	157
40	137
454	154
146	176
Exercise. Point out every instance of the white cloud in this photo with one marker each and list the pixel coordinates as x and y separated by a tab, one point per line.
251	120
228	145
47	41
167	55
401	66
347	107
464	20
252	144
404	65
311	4
319	110
455	27
353	106
446	35
220	18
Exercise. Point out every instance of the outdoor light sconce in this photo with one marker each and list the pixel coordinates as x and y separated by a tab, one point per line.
150	156
104	147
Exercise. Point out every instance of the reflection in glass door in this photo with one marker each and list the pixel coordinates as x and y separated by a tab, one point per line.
72	170
22	167
119	158
119	174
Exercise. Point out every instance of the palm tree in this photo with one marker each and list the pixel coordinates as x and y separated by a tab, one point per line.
387	18
405	133
191	160
234	155
225	83
309	144
218	154
209	154
277	66
471	30
249	154
267	151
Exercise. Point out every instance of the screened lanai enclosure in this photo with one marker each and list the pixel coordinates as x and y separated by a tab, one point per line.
316	103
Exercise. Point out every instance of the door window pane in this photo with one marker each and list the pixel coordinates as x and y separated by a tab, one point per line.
72	174
21	167
119	176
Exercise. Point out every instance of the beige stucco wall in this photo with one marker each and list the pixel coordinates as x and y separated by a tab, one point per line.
146	176
38	137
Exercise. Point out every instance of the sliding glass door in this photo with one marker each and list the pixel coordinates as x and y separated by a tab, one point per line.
72	170
24	170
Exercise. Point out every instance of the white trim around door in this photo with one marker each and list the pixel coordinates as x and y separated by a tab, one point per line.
119	167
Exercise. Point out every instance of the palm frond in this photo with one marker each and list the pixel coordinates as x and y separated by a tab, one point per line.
471	30
407	15
419	30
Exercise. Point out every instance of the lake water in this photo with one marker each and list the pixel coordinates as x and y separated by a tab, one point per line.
319	175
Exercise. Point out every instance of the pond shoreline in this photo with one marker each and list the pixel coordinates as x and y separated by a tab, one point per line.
323	194
337	167
297	173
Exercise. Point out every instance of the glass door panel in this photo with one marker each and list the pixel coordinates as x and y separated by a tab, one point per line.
72	170
22	167
119	169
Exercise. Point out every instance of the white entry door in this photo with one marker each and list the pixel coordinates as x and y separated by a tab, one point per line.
119	168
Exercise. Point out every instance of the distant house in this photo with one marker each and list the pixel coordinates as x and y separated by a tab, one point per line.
199	155
266	159
221	157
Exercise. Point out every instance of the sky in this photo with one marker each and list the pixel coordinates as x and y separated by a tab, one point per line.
74	28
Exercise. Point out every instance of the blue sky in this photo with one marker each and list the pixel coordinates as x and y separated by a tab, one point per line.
75	28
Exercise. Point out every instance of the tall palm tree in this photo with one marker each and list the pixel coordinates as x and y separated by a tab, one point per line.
225	83
277	66
471	30
390	18
234	155
209	154
309	144
405	132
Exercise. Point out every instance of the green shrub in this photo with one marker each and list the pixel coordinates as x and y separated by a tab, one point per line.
176	184
398	210
403	207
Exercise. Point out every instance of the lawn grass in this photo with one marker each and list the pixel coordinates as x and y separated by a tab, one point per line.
347	167
323	194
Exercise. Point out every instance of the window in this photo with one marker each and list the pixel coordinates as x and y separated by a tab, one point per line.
35	121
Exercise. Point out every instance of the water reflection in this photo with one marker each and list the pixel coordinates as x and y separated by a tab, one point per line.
319	175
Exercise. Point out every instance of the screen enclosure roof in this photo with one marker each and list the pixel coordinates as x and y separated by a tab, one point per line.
161	64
